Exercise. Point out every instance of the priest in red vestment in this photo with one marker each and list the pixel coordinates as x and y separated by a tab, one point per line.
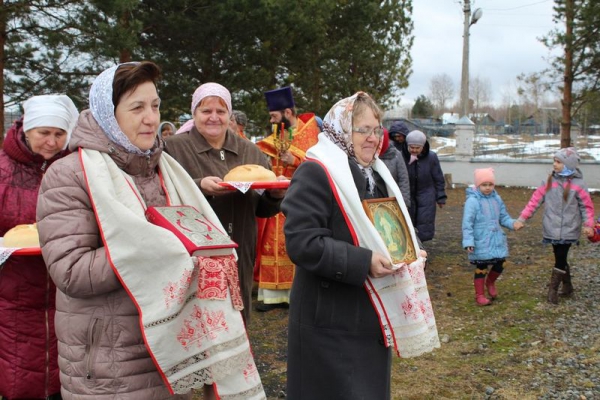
292	135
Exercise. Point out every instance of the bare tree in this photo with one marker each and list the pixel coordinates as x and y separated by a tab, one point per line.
532	90
441	90
480	91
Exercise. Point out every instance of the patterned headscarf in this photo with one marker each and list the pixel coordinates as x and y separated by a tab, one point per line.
103	110
337	126
203	91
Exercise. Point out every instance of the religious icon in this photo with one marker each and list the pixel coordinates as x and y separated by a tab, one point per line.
386	215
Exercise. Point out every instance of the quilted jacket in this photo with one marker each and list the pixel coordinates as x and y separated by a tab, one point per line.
28	367
101	352
483	219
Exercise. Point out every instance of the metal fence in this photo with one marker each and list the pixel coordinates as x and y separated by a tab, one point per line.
9	118
519	146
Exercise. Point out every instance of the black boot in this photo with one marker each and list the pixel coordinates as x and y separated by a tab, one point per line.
567	286
555	280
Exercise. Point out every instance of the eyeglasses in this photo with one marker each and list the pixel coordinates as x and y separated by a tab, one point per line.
366	132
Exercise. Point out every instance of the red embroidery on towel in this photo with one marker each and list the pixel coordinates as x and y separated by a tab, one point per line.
175	291
417	273
410	306
250	372
215	276
201	325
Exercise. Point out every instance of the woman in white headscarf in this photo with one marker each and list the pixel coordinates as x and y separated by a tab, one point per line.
134	318
28	367
208	151
349	301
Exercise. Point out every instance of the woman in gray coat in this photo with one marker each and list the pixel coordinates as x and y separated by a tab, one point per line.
392	158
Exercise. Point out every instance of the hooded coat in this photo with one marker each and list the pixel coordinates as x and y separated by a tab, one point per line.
101	351
28	367
427	188
483	219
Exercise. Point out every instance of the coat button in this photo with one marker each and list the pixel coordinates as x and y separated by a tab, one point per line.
324	284
381	342
338	275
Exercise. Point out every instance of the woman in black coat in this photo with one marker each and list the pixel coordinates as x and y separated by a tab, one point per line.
336	349
427	184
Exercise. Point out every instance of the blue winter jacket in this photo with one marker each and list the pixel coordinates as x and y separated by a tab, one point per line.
483	219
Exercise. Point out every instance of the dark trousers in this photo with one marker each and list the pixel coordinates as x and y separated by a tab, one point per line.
561	251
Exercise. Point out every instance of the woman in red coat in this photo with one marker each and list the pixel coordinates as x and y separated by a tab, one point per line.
28	355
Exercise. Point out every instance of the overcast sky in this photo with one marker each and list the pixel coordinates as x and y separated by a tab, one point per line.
503	43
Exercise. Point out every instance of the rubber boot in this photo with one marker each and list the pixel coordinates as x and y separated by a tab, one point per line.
567	286
555	280
490	284
480	298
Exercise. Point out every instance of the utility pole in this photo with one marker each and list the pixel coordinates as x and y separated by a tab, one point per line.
464	85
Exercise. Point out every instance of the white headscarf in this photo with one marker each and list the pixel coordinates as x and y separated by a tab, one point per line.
54	110
103	110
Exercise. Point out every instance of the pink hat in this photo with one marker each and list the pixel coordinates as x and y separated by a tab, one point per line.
483	175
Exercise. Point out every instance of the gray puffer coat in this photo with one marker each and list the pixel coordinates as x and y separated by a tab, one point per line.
392	158
101	352
563	217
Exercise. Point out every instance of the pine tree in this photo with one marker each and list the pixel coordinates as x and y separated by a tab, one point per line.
579	65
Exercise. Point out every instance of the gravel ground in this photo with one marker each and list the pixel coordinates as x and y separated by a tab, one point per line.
575	376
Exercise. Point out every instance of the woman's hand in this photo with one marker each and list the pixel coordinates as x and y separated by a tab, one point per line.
380	266
210	186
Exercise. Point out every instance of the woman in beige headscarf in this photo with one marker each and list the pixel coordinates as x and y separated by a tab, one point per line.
350	302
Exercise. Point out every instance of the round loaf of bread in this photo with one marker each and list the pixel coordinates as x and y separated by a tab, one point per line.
22	236
250	173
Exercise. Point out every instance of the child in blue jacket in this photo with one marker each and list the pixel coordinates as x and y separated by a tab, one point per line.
484	216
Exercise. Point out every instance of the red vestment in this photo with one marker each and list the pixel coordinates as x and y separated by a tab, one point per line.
273	268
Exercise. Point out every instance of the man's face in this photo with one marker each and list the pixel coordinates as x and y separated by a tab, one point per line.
278	117
275	117
398	138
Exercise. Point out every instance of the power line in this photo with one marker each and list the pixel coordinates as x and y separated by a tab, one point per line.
515	8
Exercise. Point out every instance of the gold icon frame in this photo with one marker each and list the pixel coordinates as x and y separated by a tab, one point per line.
388	219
